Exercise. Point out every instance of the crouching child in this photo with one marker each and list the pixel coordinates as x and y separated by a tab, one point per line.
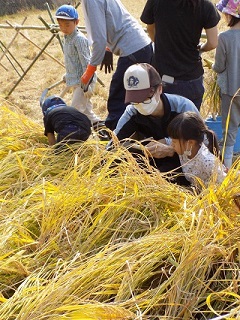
69	124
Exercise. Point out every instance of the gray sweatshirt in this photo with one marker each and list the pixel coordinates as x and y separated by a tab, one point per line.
227	61
109	24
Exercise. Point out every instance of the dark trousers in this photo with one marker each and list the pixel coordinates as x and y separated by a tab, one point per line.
72	133
115	104
191	89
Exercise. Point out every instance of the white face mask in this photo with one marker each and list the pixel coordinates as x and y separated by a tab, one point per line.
185	157
147	109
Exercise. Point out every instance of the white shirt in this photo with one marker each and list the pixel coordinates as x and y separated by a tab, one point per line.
203	166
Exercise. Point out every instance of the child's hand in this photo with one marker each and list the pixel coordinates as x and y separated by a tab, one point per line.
87	77
89	93
90	90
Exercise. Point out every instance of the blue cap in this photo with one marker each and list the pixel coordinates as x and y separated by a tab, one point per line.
51	103
66	12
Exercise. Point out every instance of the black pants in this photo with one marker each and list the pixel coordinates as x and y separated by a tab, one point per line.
72	133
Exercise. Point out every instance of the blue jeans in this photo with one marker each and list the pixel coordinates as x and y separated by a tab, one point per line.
191	89
116	105
72	133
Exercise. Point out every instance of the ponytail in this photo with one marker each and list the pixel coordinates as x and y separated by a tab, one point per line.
212	142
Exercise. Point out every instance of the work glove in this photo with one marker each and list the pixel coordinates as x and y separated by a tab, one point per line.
107	61
87	77
89	93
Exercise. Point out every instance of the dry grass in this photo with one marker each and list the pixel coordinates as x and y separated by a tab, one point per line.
86	234
84	238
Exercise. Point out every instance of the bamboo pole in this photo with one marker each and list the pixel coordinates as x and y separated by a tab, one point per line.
11	42
53	27
78	4
19	27
33	43
11	55
51	17
3	66
2	48
29	67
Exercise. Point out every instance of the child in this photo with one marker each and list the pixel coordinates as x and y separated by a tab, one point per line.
227	65
188	133
76	56
70	124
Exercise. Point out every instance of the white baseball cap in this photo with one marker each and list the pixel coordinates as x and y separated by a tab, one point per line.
139	79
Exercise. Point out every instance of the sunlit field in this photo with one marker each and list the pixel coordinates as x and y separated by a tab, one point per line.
88	234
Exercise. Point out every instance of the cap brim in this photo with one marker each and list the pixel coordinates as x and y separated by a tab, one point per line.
63	18
137	96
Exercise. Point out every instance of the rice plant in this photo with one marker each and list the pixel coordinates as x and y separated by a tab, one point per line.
211	98
89	234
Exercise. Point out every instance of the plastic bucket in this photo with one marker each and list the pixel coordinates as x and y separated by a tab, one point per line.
216	126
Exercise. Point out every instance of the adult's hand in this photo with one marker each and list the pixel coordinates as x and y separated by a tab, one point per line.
159	150
107	61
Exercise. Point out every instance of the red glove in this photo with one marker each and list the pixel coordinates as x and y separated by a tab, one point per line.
87	77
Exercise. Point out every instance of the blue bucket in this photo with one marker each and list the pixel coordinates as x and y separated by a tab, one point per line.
216	126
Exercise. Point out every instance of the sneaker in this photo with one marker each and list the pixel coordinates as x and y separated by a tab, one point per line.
102	132
98	125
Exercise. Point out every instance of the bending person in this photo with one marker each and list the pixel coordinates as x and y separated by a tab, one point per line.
68	123
149	113
197	148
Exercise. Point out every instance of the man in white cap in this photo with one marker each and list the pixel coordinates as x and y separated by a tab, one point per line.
149	112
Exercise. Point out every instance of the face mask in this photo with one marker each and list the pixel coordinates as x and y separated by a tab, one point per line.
147	109
185	157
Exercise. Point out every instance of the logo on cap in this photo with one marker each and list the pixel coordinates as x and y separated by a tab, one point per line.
63	14
132	82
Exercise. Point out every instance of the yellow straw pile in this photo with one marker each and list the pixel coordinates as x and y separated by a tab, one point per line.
87	234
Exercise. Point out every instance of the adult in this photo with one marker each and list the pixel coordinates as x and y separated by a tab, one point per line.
149	113
109	25
176	26
227	66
